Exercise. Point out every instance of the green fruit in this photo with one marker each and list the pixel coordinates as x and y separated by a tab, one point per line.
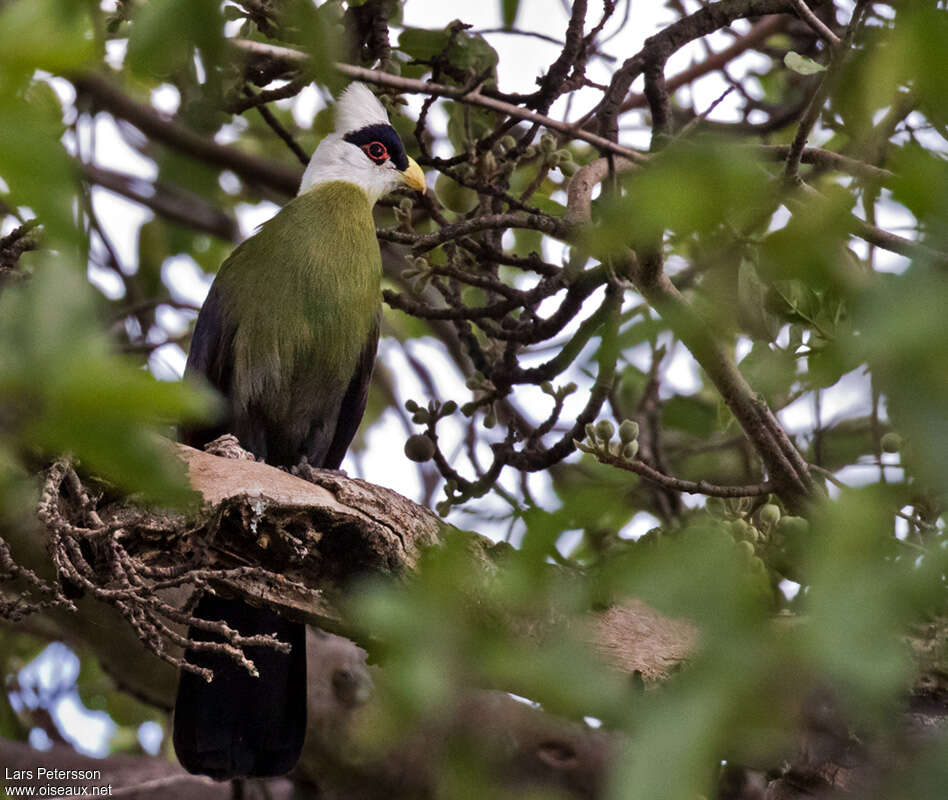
605	429
419	447
630	450
742	530
892	443
769	514
793	527
452	195
628	430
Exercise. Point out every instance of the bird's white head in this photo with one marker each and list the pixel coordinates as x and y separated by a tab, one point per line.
364	149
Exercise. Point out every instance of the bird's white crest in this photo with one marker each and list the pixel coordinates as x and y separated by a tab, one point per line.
358	107
337	160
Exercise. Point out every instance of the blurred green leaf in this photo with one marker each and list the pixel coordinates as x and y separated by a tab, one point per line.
37	169
692	414
801	64
317	30
468	52
921	184
904	337
770	371
423	44
812	245
467	124
862	593
69	393
53	35
508	12
99	692
752	308
166	32
672	193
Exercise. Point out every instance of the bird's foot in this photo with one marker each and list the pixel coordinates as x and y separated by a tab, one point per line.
308	472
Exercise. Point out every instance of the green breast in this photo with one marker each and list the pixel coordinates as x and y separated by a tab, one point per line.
304	293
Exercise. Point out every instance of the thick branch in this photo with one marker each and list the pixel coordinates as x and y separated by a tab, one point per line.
158	127
184	208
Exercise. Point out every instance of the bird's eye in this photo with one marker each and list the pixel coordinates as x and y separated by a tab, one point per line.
376	151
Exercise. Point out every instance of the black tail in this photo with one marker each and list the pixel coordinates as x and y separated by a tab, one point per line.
238	725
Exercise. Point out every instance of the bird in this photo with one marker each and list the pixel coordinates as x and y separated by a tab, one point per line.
288	336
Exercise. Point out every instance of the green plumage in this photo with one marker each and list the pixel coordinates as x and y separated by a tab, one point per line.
285	329
325	288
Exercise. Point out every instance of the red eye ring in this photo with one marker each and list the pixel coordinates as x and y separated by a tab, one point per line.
376	151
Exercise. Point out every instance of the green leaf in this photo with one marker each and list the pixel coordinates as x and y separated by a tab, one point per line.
692	414
466	51
770	372
672	193
68	391
467	124
317	31
812	246
508	11
98	692
860	598
802	64
165	33
53	35
422	44
903	335
921	183
751	307
37	168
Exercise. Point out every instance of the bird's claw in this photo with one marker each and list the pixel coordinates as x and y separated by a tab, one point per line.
308	472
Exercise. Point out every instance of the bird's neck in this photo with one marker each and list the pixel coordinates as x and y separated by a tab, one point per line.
317	175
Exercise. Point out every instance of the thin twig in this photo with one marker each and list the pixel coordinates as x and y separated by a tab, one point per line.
804	12
653	475
459	94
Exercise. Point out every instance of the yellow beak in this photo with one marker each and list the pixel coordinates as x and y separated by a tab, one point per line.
414	177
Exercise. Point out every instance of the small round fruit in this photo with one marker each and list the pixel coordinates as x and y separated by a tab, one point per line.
419	447
891	442
628	430
605	429
769	514
793	527
630	450
742	530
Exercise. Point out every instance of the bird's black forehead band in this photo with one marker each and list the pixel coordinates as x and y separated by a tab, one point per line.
384	134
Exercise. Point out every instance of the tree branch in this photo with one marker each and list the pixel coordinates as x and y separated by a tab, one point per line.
177	205
460	94
158	127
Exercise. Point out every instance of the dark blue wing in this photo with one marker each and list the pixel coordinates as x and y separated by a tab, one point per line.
211	355
352	407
